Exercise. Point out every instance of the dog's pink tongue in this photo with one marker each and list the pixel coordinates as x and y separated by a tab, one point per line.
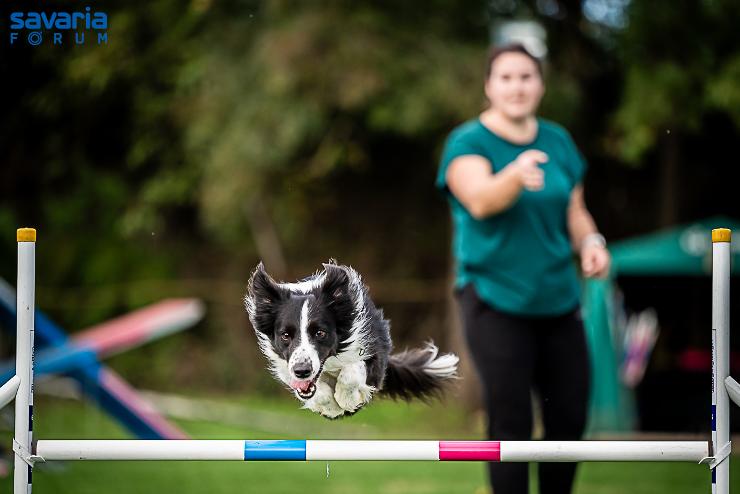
301	385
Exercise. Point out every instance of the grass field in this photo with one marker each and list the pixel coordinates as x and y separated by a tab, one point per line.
277	419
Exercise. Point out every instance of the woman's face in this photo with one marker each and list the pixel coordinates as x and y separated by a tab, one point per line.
515	86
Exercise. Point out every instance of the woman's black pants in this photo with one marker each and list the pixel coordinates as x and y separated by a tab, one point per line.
517	355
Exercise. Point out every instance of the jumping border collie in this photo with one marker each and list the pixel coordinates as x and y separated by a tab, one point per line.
327	342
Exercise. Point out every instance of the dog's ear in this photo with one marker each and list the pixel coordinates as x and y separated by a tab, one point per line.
335	293
263	299
336	282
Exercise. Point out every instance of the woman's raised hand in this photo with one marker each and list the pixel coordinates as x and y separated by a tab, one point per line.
527	167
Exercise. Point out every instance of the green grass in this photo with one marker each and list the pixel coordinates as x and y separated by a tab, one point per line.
265	418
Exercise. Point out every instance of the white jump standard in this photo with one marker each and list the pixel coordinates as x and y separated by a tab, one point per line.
24	360
721	380
715	453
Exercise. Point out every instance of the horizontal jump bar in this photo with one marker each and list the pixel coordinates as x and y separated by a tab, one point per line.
306	450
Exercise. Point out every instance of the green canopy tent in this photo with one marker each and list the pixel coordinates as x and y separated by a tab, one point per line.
684	250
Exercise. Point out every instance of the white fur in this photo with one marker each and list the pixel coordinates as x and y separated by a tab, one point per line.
351	390
444	366
305	351
323	401
305	286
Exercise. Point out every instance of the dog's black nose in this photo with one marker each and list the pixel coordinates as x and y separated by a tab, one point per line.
302	370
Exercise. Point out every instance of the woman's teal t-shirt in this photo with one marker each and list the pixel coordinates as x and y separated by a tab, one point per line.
519	260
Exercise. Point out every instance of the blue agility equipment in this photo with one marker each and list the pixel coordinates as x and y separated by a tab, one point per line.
79	357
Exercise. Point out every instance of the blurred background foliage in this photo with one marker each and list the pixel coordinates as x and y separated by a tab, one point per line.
207	135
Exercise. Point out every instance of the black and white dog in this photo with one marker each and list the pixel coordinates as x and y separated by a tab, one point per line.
325	339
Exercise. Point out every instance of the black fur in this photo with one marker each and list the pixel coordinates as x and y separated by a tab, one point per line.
406	379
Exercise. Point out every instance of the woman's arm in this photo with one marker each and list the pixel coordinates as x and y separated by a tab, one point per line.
586	239
483	193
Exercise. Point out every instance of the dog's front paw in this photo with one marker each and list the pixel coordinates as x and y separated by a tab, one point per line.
323	402
351	396
351	391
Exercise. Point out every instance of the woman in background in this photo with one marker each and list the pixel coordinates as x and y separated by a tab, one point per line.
515	187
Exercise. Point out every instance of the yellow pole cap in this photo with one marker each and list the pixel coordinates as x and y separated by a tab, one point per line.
721	235
26	235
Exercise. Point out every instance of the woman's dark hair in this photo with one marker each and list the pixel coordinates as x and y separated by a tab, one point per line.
497	51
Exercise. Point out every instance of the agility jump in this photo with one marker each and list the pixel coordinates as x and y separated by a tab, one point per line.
714	453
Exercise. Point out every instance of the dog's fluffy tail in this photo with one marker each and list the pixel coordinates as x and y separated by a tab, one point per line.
419	373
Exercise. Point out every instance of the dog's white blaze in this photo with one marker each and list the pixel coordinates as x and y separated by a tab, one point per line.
304	319
305	351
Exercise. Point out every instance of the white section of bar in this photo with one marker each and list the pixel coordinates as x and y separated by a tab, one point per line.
8	391
721	358
140	449
24	361
534	451
372	450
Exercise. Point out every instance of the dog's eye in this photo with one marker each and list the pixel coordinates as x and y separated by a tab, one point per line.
320	334
285	336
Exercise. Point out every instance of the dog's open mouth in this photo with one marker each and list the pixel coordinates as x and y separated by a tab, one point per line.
305	389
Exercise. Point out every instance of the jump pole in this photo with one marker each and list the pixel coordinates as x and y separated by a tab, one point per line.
721	447
22	442
714	453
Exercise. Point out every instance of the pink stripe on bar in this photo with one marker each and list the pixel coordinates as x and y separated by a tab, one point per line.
469	451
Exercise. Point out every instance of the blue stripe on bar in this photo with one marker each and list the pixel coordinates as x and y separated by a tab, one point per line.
275	450
714	475
714	418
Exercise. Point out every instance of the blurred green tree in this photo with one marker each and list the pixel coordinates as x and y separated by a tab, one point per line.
680	65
